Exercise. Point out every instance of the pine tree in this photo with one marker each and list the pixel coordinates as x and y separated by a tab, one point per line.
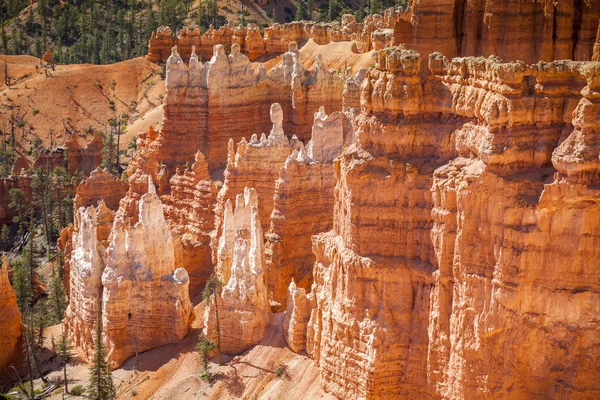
301	12
65	351
22	285
58	298
5	236
204	346
42	198
101	385
20	205
211	291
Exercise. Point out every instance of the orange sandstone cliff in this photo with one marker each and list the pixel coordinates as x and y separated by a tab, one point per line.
10	334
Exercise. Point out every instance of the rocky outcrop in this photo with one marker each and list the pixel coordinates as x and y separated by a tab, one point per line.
530	289
513	30
87	263
420	293
100	185
200	98
296	318
189	207
145	298
84	156
242	304
303	205
10	334
276	39
256	164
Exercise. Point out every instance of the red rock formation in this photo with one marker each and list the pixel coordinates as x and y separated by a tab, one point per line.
100	185
256	163
276	37
243	305
514	30
420	293
189	207
84	157
515	292
87	263
296	319
302	206
145	297
10	334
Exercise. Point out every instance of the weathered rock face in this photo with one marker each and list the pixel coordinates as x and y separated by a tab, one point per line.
243	306
82	156
256	164
145	298
86	266
276	37
100	185
189	207
10	334
303	206
431	290
372	271
296	319
521	307
200	99
512	30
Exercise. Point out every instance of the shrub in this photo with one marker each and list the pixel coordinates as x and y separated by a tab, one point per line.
77	390
36	111
281	371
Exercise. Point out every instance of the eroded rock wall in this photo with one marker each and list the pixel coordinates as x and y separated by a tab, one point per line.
10	334
144	296
450	234
242	304
512	30
146	299
201	97
189	208
303	205
372	275
275	40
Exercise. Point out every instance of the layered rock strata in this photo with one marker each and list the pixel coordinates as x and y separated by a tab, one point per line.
189	207
297	315
10	334
524	305
512	30
242	304
303	205
144	296
421	293
256	163
200	98
275	41
100	185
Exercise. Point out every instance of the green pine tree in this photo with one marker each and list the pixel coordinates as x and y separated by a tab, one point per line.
57	298
65	351
204	346
101	385
211	291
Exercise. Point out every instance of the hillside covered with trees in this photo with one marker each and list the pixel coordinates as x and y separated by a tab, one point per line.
105	32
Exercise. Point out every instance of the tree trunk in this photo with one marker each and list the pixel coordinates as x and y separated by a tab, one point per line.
218	328
65	374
